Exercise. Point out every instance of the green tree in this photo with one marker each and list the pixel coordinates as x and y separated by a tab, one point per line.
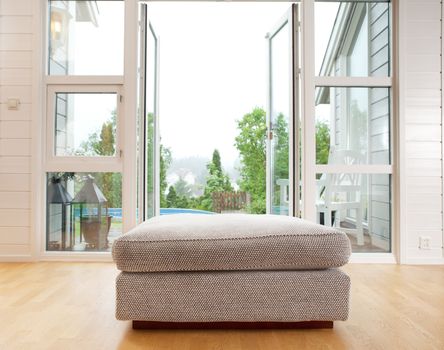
216	161
251	144
322	142
182	202
165	162
281	154
183	188
103	144
171	198
217	181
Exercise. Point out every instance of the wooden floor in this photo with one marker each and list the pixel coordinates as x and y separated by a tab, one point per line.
71	306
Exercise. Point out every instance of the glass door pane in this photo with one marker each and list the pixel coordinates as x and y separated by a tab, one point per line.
281	117
149	112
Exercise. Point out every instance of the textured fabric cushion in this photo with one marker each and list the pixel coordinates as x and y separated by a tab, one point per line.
187	242
241	296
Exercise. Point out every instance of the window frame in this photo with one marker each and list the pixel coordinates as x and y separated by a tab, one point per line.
72	163
123	162
310	81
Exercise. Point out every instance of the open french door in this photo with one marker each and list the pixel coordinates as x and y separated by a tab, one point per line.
283	155
149	136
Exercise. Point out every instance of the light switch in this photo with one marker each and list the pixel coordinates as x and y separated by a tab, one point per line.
13	103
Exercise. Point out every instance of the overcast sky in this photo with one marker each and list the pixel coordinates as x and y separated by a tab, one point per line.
213	69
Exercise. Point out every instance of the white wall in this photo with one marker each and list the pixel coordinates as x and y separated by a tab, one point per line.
420	103
16	77
421	129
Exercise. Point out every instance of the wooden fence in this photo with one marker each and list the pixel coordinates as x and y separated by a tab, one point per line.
230	201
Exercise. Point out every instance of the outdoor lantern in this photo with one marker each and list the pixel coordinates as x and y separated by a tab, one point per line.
94	219
59	215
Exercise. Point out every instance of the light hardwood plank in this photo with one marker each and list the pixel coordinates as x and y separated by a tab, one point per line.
23	93
15	165
15	42
15	24
15	147
16	59
14	235
14	217
15	76
71	306
15	200
24	112
15	129
15	183
16	7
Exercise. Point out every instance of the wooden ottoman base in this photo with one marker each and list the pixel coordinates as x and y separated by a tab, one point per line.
232	325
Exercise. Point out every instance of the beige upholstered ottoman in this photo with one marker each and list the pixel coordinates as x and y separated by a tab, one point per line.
231	270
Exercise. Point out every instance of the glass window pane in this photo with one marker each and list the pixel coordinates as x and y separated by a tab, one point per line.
86	37
352	38
358	204
151	127
280	113
83	211
85	124
355	121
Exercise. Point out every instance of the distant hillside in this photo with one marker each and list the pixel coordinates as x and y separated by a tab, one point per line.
194	169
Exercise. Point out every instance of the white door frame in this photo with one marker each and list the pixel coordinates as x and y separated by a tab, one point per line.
129	92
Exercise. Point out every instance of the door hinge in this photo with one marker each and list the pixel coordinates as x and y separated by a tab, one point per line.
120	98
270	135
120	153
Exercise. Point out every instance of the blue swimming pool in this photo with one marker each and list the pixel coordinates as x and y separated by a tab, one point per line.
170	211
116	213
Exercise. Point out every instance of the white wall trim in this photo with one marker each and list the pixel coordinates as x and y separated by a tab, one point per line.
77	256
39	16
424	261
17	258
442	132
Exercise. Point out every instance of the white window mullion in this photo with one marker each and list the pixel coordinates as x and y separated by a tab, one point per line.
353	81
308	111
84	80
353	169
129	185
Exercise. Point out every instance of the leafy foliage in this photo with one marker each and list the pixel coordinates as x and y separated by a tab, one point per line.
251	143
217	181
104	144
280	147
171	198
322	142
165	162
183	188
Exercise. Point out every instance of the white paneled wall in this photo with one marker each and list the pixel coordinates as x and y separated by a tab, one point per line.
421	129
420	113
16	72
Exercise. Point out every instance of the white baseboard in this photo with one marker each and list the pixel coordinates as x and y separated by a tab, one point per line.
76	256
17	258
424	261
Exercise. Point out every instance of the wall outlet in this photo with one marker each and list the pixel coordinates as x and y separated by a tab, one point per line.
424	242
